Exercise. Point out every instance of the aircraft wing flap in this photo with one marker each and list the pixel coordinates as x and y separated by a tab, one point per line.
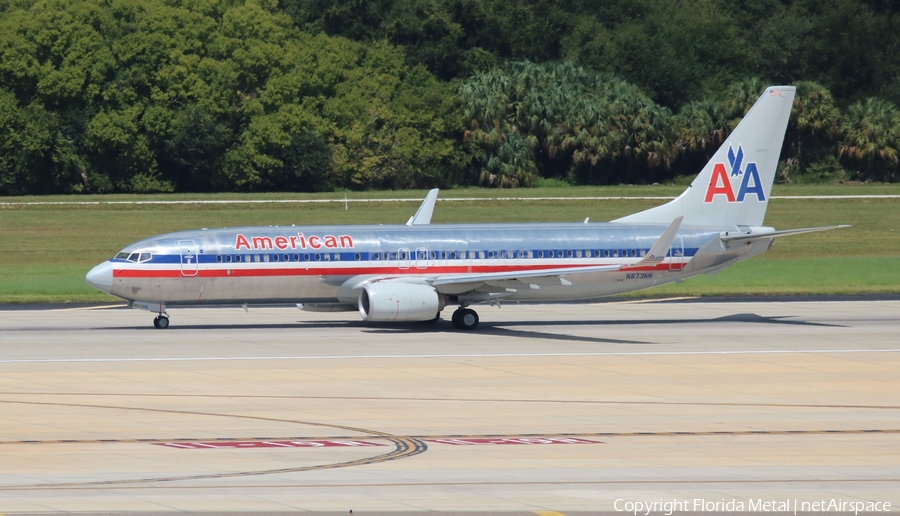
456	279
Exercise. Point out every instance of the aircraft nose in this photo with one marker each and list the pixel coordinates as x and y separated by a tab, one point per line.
100	277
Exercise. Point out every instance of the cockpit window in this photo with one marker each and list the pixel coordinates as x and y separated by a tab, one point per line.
135	257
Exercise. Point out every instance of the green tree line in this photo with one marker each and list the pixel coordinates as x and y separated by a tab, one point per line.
315	95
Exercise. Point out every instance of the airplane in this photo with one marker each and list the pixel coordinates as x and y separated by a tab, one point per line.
412	272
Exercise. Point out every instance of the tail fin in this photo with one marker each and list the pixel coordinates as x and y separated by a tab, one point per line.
733	188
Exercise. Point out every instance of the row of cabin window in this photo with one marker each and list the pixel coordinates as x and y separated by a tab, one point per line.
480	255
434	255
318	257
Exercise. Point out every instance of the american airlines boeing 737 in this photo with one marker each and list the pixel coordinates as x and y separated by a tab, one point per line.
411	272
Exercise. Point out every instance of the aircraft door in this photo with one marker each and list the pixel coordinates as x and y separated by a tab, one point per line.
404	258
676	254
421	258
190	260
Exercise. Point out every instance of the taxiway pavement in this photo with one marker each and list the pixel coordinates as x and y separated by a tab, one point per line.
559	407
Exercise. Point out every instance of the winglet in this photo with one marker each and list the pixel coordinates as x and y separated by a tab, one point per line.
423	216
661	248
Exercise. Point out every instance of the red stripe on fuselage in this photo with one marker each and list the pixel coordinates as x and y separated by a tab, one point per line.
353	271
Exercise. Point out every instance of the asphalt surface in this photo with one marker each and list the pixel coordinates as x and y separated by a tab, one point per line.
547	409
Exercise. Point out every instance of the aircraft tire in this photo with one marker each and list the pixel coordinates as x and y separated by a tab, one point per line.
455	319
465	319
161	322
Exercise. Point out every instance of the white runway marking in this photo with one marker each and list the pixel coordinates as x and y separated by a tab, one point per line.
461	355
418	199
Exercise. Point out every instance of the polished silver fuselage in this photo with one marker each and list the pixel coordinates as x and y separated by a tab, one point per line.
316	264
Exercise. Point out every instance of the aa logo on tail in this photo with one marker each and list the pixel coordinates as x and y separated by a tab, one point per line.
721	184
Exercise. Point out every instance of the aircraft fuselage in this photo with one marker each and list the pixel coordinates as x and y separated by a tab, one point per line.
313	264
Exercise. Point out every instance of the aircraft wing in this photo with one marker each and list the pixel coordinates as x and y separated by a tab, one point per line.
656	256
749	237
458	279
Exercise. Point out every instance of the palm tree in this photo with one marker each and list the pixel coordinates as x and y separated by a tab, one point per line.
813	128
871	139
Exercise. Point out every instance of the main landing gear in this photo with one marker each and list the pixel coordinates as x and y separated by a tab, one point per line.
161	322
465	318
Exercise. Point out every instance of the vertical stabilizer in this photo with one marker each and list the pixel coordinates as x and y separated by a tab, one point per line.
734	187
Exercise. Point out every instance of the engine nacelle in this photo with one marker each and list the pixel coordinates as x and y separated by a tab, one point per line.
398	301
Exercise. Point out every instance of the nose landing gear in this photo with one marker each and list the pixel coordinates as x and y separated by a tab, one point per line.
161	321
465	319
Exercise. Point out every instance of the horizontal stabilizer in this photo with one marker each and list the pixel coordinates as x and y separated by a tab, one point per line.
749	237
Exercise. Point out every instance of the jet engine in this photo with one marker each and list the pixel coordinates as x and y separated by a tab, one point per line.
398	301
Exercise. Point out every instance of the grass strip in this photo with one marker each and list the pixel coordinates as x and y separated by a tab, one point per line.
45	250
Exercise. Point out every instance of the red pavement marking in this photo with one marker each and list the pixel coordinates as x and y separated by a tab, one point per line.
221	445
514	440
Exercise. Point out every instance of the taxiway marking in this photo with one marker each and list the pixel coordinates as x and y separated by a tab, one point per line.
265	444
441	355
222	442
513	440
